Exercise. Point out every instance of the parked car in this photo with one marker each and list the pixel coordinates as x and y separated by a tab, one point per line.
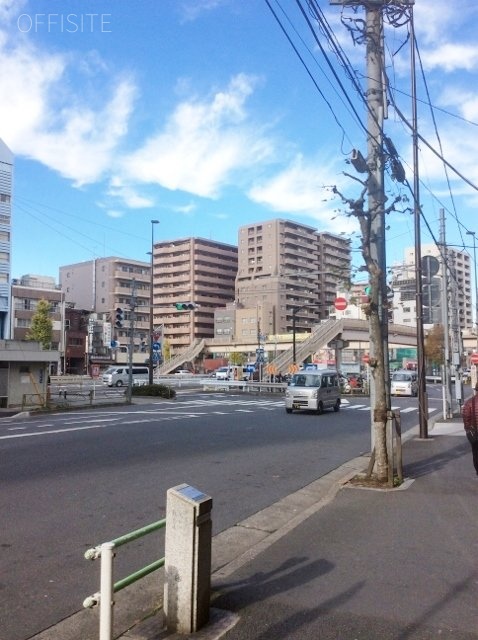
119	376
183	372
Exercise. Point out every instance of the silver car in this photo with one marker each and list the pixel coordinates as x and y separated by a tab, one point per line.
313	391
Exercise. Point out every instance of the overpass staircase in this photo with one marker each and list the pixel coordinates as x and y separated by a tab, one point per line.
319	338
186	355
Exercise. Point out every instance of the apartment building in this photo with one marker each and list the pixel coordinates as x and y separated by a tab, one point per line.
334	267
6	180
459	294
191	270
104	285
290	269
26	293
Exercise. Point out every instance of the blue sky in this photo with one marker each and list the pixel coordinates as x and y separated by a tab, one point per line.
200	114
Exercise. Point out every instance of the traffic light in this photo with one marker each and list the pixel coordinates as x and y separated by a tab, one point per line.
431	290
185	306
367	292
119	318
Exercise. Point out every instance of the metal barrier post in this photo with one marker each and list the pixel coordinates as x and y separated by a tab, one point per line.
106	591
187	587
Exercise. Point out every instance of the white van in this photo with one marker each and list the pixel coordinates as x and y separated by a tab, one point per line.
404	383
313	390
232	372
119	376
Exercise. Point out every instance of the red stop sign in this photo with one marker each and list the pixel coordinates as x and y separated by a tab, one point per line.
365	358
340	304
474	358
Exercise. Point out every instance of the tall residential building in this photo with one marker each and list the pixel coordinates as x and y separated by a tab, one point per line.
6	186
191	270
104	285
459	294
334	266
290	269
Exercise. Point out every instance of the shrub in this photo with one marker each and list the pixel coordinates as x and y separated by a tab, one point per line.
157	390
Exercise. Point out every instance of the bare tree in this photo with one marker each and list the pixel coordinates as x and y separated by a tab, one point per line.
376	309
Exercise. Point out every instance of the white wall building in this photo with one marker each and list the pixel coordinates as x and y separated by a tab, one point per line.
459	288
6	186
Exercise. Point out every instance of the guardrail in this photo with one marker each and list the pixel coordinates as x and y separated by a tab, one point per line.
104	597
244	385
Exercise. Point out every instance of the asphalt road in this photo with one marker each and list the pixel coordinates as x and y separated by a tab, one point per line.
71	481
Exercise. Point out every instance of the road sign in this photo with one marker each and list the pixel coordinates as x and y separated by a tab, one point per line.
430	267
271	369
365	358
156	346
340	304
474	358
293	368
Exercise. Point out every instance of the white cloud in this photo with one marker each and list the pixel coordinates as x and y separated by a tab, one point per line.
11	9
451	57
304	188
186	209
192	9
202	144
129	196
51	122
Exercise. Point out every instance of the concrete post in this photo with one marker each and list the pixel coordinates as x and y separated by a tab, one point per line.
187	559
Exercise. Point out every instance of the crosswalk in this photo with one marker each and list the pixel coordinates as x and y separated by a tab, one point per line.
270	404
195	407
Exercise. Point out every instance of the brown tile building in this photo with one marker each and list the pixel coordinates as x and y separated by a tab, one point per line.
284	265
191	270
27	292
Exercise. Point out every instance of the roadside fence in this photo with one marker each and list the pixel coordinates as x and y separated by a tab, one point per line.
105	596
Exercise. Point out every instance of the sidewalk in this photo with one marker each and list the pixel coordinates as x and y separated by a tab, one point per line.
373	565
332	562
367	564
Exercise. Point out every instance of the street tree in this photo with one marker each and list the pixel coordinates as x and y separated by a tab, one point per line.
166	350
376	310
237	358
41	329
434	346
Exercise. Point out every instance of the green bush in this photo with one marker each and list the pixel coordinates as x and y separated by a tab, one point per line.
157	390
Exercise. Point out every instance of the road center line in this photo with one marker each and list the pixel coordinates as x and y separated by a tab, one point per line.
53	431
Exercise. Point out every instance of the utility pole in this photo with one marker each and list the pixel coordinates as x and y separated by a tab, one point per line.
378	318
422	385
447	409
132	317
372	224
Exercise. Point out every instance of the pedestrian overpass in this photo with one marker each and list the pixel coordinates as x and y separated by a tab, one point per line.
322	336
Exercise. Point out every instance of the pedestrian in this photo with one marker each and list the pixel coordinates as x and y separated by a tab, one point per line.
470	422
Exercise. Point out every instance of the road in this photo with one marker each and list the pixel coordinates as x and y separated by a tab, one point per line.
70	481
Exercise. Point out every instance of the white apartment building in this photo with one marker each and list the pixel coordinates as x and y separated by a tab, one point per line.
459	294
6	186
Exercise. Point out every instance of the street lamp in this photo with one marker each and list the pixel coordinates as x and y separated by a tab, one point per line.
151	301
473	233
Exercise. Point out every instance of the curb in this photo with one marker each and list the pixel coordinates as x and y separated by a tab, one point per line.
138	610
